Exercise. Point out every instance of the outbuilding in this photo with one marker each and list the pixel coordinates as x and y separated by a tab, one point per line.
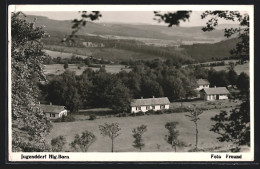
216	93
53	111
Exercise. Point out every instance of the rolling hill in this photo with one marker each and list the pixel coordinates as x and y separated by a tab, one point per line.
132	30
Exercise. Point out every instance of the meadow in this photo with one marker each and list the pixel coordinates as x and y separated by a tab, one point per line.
153	138
57	69
55	54
111	54
238	68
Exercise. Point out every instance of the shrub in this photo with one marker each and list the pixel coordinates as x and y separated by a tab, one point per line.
58	143
92	117
122	114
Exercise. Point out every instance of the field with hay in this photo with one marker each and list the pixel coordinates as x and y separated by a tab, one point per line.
154	138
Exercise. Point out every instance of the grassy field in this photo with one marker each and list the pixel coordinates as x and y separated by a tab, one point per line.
111	54
55	54
57	69
238	68
154	137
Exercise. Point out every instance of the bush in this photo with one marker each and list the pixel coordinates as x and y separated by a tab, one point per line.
65	119
92	117
122	115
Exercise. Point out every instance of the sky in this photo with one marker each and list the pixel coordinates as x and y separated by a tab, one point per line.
133	17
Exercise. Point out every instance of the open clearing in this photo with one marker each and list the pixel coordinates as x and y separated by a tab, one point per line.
57	69
63	55
238	68
153	138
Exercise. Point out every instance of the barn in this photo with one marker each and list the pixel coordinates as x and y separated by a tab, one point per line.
143	105
216	93
53	111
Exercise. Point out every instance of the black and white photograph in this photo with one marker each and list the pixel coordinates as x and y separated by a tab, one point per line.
131	83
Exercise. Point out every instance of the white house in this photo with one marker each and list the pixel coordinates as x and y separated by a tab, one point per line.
144	105
202	83
53	111
216	93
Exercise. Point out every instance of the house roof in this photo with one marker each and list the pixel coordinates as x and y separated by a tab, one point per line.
202	82
51	108
150	101
217	90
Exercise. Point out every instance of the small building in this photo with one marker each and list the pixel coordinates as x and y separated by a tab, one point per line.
216	93
53	111
144	105
202	83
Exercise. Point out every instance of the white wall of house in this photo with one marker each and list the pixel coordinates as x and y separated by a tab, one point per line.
202	87
56	115
135	109
223	97
63	113
212	97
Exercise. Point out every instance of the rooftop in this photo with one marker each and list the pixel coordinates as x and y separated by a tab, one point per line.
202	82
51	108
150	101
215	90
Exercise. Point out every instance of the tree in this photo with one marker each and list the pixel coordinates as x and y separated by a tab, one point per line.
66	65
83	142
232	75
138	134
58	143
194	117
110	130
235	126
172	137
30	126
119	98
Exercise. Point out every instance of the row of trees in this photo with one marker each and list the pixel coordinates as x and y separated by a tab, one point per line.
82	142
102	89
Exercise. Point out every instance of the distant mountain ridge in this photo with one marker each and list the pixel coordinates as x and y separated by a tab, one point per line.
132	30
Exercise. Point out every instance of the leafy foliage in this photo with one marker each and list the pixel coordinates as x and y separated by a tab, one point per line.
235	126
27	70
172	18
79	23
242	47
58	143
82	142
172	137
110	130
137	134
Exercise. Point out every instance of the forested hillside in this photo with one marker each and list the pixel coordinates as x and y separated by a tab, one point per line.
210	52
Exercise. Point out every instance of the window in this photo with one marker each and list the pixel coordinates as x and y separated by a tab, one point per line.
162	106
52	114
138	108
153	107
148	107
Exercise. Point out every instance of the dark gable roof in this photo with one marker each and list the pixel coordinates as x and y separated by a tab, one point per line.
217	90
150	101
202	82
51	108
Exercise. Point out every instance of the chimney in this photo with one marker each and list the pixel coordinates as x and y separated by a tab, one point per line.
141	97
50	103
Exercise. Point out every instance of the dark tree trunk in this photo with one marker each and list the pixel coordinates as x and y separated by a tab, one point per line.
112	149
197	132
